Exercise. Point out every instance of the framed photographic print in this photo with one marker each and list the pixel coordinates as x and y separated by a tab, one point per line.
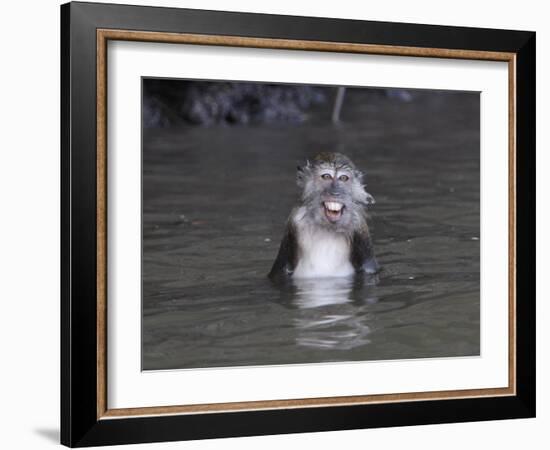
276	224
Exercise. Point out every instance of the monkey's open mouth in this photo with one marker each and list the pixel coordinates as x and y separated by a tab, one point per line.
333	210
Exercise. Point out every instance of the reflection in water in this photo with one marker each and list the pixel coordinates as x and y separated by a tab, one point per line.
214	206
315	293
332	312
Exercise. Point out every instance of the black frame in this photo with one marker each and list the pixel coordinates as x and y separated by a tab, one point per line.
79	423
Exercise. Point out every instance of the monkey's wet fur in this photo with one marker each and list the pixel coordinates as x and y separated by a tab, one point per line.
327	235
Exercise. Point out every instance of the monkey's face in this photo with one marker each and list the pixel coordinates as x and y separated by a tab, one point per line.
333	194
334	186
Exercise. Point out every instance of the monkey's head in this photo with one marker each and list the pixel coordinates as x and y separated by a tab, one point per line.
333	193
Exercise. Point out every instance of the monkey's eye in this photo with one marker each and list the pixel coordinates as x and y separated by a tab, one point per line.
343	178
326	176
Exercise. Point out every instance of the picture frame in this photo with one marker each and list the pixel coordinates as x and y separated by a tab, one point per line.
86	418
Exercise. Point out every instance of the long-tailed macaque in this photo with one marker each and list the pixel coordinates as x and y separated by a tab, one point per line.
327	234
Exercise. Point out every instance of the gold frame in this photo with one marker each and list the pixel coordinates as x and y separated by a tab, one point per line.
103	36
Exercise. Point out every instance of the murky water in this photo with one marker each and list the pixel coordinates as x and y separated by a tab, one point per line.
214	205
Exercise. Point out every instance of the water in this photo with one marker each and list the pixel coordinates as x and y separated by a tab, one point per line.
214	205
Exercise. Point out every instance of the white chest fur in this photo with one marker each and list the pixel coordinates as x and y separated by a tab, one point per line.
322	254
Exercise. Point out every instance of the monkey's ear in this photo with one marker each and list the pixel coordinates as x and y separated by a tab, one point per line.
358	175
370	199
301	174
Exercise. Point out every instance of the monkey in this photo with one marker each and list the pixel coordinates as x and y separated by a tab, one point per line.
326	234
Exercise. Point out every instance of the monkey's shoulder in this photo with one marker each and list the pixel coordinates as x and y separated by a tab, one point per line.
362	252
287	256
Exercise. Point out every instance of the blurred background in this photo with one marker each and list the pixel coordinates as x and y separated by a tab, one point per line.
176	102
219	161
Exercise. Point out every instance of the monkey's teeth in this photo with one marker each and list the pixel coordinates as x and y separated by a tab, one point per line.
333	206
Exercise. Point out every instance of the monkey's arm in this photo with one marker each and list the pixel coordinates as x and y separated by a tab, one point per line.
286	258
362	253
